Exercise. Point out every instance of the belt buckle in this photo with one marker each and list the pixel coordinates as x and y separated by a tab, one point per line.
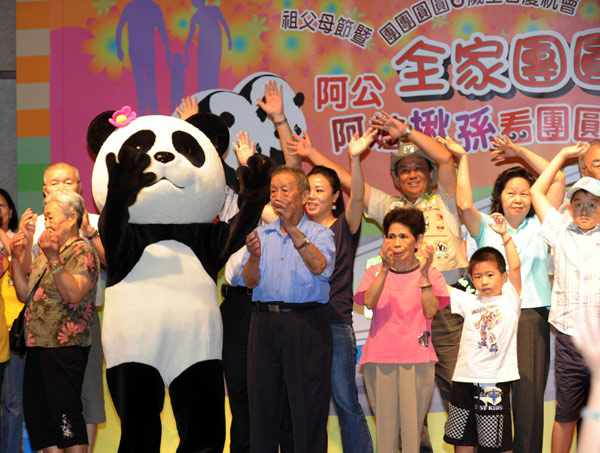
273	308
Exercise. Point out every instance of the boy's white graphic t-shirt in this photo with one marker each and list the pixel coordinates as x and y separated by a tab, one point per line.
488	344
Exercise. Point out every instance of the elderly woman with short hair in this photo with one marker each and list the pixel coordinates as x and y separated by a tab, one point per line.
58	335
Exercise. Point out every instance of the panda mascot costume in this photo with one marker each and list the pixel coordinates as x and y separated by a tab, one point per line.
159	184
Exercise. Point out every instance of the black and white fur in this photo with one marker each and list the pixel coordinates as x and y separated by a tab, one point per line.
159	182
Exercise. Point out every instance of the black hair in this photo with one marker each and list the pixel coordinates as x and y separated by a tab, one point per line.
412	218
500	184
487	254
13	223
336	186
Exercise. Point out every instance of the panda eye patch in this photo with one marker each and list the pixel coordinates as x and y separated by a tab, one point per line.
189	148
141	141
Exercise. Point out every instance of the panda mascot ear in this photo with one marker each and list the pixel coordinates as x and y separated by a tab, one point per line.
214	128
99	130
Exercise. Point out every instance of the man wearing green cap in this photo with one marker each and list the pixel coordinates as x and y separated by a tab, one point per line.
419	164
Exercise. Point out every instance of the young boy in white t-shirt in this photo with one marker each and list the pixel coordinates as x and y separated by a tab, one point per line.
479	408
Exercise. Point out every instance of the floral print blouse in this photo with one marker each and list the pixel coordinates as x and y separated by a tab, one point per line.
51	322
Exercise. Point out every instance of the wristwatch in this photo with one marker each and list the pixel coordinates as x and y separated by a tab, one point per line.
55	267
409	129
92	236
304	243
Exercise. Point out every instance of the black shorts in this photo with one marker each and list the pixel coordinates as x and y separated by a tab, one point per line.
479	415
52	396
572	380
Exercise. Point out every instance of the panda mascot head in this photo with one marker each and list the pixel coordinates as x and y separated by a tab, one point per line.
180	163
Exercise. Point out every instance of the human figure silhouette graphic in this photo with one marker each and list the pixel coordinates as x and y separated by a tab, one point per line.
142	18
208	19
177	68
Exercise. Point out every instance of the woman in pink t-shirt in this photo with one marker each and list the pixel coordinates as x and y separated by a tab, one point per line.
398	358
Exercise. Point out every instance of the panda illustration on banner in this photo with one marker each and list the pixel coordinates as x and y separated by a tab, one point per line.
159	183
238	108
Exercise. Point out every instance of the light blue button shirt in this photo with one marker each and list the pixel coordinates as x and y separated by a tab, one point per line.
283	274
533	253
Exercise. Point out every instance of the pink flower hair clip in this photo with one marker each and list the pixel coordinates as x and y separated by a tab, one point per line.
122	117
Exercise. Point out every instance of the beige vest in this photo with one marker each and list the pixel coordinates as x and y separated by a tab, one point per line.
450	250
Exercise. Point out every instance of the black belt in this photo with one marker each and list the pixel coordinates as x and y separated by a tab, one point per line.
231	290
285	307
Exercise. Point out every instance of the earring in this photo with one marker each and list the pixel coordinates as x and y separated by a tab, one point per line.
333	207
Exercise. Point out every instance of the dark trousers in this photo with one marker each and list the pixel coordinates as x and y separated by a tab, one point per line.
446	329
197	398
236	311
52	396
533	355
289	352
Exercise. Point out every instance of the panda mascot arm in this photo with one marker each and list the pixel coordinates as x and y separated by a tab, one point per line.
126	177
227	238
253	195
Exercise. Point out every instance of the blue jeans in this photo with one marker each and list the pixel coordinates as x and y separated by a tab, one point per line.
353	424
12	405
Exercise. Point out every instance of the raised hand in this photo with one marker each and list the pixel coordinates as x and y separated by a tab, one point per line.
455	148
427	254
503	148
253	244
284	210
573	151
190	108
392	127
127	175
27	223
86	229
243	149
255	178
17	245
385	252
498	223
273	103
300	145
48	243
358	145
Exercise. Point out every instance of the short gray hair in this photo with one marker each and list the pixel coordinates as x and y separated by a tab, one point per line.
300	177
69	203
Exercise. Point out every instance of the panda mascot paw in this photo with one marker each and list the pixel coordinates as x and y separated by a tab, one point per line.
255	179
127	175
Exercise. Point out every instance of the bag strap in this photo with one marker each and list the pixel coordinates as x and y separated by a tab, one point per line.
34	289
